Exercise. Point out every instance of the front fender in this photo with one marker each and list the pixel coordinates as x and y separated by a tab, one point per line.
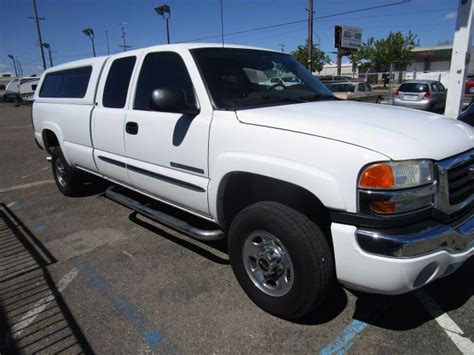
315	180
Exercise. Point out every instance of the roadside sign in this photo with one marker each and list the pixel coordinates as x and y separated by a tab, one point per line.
348	37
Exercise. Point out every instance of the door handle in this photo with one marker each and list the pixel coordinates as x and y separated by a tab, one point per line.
131	128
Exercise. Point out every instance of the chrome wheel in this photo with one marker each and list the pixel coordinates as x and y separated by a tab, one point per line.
268	263
60	173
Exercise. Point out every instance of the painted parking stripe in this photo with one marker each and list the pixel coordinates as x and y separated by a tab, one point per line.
344	341
452	330
26	186
41	305
126	309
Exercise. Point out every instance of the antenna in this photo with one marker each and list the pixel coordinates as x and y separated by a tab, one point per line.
222	23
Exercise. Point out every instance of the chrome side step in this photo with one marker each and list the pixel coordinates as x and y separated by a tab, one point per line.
163	218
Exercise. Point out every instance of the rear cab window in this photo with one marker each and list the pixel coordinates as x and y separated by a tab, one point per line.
118	81
70	83
413	87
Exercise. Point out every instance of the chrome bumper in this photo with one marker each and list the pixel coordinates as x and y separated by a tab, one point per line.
419	239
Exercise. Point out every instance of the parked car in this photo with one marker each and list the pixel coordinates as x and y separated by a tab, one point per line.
428	95
469	88
334	78
308	190
467	115
354	91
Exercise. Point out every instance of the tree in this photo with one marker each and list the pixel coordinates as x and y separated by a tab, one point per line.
319	57
379	54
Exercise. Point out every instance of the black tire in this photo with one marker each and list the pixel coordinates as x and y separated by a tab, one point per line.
311	257
70	181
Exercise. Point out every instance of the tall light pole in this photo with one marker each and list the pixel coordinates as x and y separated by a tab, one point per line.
48	47
107	33
14	63
89	32
20	69
38	30
165	11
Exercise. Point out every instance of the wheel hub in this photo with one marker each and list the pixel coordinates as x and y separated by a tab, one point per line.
60	173
267	263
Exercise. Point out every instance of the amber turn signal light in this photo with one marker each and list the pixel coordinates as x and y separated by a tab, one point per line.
383	207
377	176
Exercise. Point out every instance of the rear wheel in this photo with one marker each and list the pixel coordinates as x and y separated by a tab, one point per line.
68	180
281	259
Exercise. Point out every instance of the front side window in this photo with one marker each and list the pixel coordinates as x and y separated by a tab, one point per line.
71	83
246	78
162	70
361	87
118	80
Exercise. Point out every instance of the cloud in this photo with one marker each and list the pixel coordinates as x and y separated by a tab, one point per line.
3	66
450	16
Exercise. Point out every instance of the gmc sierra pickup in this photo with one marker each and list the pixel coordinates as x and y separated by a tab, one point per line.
308	190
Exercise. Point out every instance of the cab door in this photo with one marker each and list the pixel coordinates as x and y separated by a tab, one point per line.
108	118
168	152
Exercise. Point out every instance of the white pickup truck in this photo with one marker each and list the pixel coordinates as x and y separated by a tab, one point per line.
308	189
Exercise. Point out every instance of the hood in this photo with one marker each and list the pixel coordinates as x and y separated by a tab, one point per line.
399	133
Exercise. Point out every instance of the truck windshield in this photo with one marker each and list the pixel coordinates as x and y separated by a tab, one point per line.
246	78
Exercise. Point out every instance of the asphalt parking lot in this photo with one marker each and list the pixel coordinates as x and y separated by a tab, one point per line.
88	275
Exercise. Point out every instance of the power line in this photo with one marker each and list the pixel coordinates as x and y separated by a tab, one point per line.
300	21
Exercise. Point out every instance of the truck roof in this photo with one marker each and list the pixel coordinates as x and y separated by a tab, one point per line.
101	59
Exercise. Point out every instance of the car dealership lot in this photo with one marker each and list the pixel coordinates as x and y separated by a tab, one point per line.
87	274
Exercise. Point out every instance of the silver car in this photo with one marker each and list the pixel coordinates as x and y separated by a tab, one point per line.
429	95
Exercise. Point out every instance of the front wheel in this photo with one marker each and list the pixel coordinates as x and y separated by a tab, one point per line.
281	259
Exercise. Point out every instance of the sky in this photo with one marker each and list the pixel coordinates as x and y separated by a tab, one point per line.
432	20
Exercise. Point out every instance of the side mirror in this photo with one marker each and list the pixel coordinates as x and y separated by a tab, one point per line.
171	100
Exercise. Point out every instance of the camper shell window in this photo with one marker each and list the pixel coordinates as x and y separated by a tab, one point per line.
70	83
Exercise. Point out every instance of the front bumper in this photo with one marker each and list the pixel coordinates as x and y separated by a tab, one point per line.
391	262
419	239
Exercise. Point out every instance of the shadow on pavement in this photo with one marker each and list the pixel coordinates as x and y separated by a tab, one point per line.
405	312
33	315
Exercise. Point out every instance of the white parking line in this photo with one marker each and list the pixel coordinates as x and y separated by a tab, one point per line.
41	305
453	331
26	186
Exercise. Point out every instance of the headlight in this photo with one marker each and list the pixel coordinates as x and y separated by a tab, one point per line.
397	175
391	188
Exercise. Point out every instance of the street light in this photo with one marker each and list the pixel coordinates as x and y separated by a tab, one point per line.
165	11
14	63
107	34
48	47
89	32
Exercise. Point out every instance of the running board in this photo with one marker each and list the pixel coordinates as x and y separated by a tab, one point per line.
163	218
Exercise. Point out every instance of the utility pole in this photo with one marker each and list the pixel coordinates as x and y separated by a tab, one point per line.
282	47
38	30
124	45
310	35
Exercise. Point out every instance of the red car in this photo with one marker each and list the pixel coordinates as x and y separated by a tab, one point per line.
469	85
